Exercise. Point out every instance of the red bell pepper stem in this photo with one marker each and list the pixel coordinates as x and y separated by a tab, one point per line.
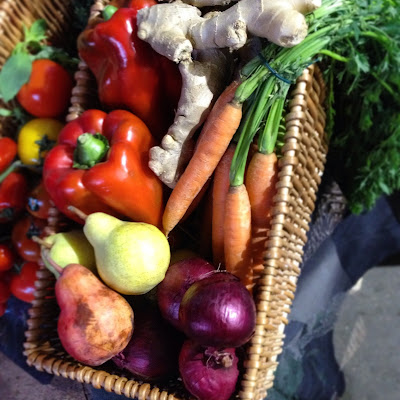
108	12
90	150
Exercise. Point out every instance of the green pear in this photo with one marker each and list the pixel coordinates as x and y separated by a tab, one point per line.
132	257
69	248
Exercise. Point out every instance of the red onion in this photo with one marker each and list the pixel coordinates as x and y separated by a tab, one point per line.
208	373
218	311
153	350
179	277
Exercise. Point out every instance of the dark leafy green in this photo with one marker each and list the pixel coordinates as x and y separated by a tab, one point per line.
365	145
358	45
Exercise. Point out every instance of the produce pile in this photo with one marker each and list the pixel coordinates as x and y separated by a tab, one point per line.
162	195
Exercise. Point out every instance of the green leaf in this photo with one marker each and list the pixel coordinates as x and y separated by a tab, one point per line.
58	55
15	73
37	31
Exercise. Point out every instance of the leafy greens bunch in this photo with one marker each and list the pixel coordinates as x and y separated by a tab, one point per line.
365	145
358	45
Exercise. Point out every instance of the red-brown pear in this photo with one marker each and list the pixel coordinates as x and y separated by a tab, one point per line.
95	322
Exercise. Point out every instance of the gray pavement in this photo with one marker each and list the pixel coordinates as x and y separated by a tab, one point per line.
367	336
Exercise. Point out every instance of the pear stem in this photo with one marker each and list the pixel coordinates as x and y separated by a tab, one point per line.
45	255
78	212
42	242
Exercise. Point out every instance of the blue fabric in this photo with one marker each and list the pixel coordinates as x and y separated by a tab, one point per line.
307	369
12	337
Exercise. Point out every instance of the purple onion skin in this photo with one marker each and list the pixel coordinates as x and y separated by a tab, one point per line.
153	351
179	277
206	372
218	311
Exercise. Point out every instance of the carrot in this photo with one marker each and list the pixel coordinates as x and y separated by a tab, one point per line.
237	235
214	139
205	230
219	194
260	180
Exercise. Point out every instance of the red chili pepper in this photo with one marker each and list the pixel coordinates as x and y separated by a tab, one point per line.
8	151
100	163
39	202
23	285
129	73
7	258
13	194
21	237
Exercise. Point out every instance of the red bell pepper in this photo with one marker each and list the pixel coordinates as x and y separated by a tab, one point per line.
8	151
129	73
100	163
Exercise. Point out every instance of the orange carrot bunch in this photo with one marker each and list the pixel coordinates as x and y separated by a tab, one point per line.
243	183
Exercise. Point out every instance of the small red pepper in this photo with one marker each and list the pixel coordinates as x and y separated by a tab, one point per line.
100	163
21	236
13	195
39	203
8	151
22	285
129	73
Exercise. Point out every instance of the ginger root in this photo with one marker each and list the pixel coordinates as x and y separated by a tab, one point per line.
175	29
208	3
181	33
202	80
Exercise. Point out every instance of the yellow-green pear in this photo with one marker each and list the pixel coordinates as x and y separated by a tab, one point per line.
132	257
69	248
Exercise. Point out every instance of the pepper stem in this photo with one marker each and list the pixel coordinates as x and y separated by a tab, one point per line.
108	12
12	167
90	150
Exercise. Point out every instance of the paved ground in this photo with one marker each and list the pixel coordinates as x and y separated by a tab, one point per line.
16	384
366	338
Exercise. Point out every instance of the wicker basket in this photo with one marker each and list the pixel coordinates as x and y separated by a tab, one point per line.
301	168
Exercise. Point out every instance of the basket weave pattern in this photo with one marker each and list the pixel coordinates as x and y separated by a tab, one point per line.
301	167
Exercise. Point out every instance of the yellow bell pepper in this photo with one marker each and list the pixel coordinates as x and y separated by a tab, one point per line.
36	138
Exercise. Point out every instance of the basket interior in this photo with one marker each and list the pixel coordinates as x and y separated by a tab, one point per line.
301	168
